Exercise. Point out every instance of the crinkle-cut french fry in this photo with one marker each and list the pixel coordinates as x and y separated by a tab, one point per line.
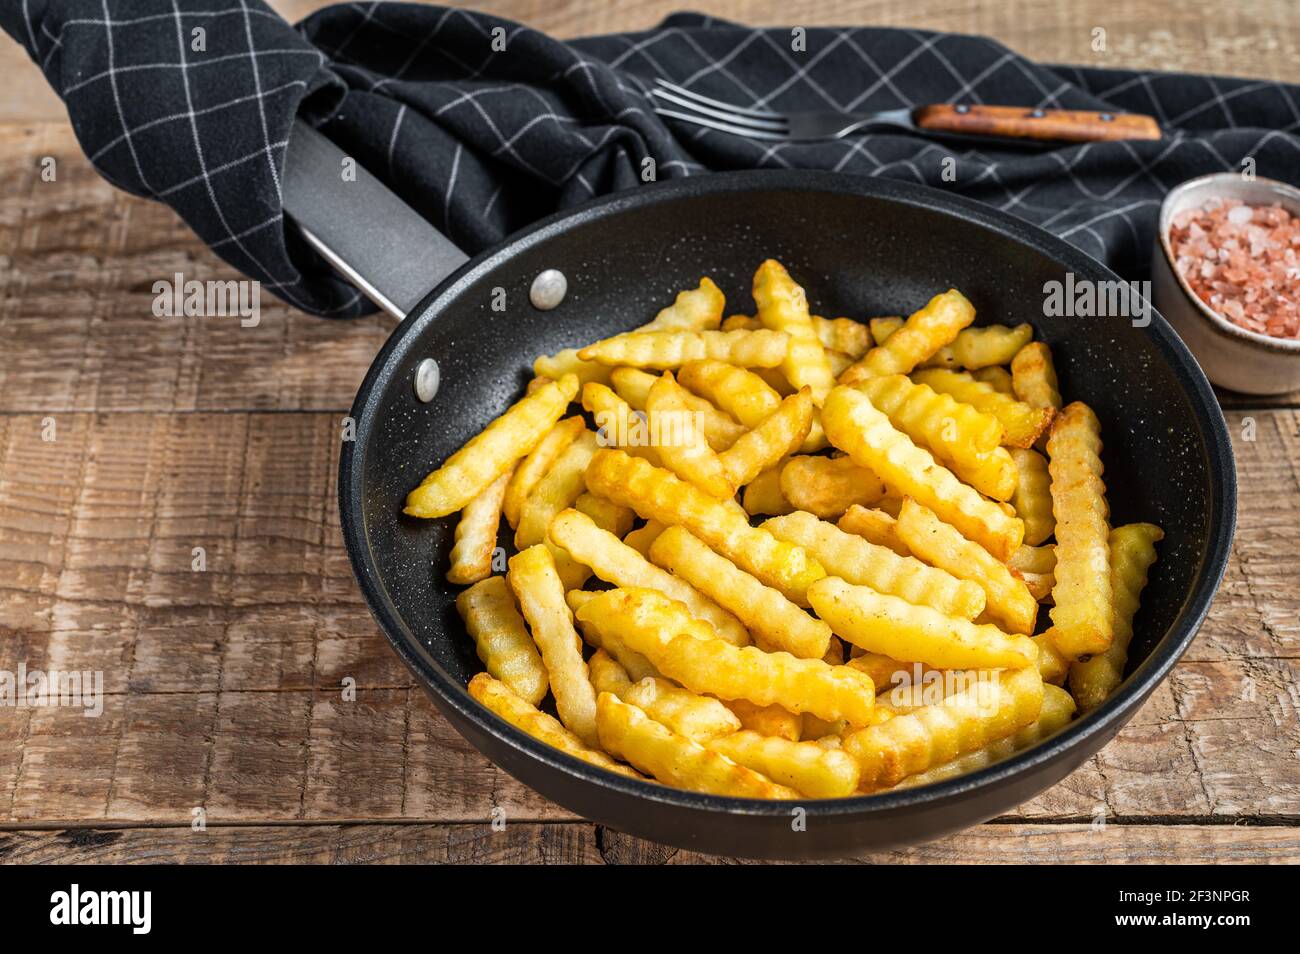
1033	559
772	619
498	697
974	349
675	760
656	494
827	486
858	561
476	535
533	467
1033	496
886	624
720	429
996	377
643	536
1081	617
766	720
783	306
1033	376
776	437
1039	584
857	427
566	361
813	770
501	639
615	562
664	350
1051	664
1056	712
814	728
540	594
844	335
840	361
680	439
875	526
697	717
617	422
740	393
963	722
924	333
763	494
775	380
1007	599
1021	423
634	664
563	484
960	437
1132	552
492	452
888	673
606	514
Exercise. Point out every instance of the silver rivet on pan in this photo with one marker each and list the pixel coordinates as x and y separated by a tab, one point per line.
427	379
549	289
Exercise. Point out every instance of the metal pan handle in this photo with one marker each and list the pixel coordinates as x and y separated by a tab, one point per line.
361	227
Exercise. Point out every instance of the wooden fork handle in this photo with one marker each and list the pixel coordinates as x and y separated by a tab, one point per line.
1019	122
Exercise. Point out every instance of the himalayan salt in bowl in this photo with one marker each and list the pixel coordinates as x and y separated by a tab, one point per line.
1226	274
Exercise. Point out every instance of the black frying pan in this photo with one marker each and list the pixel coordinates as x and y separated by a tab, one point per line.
860	247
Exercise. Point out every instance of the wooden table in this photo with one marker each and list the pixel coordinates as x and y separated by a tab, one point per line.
225	685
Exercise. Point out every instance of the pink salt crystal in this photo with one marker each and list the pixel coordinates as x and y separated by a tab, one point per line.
1241	260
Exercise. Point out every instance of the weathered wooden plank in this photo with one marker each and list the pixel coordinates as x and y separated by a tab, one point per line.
583	843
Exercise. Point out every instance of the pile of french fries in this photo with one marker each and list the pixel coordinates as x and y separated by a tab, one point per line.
828	584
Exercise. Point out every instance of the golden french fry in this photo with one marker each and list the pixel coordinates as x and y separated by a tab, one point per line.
858	561
1021	423
556	366
492	452
854	425
617	423
1029	559
527	718
656	494
664	350
932	735
1081	618
766	720
476	535
763	494
1033	496
501	639
885	671
996	377
606	514
1056	712
1033	376
1132	552
740	393
853	338
617	563
813	770
960	437
1039	584
774	621
720	429
644	535
875	526
826	486
901	630
634	664
974	349
686	713
783	306
1051	664
924	333
675	760
538	589
1007	599
779	435
563	484
681	443
533	467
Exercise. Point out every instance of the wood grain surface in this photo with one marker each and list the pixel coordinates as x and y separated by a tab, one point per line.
225	684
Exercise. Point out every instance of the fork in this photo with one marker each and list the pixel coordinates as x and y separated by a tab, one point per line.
1016	124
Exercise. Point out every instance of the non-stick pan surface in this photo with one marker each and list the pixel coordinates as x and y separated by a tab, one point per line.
860	247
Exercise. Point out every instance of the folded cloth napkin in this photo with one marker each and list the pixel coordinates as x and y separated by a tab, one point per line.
484	125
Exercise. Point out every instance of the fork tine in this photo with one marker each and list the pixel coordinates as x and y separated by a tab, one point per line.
723	127
765	125
729	108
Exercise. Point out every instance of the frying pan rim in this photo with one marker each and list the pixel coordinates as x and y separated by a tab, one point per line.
1108	717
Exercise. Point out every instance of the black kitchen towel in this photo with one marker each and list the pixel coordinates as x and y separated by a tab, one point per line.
484	125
